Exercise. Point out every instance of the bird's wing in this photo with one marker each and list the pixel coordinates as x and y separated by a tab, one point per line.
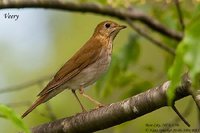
87	55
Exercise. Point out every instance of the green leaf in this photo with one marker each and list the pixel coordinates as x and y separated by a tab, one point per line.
187	54
175	72
8	113
192	44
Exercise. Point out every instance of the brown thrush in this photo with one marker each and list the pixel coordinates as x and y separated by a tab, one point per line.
85	67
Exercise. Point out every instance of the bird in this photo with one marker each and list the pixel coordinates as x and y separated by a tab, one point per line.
84	68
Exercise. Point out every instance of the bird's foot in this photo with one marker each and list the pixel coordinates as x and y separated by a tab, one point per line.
100	106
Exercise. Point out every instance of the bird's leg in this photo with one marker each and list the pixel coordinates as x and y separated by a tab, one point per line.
81	91
83	109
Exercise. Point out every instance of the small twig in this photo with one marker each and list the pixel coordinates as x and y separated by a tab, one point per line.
25	85
179	114
145	35
180	16
186	112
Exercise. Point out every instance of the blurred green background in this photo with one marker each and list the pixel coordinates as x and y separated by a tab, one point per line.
41	41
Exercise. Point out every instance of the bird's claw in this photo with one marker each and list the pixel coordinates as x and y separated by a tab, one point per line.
100	106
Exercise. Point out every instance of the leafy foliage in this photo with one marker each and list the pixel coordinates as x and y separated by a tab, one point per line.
8	113
187	55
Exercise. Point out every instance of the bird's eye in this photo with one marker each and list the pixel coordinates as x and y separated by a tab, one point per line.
107	25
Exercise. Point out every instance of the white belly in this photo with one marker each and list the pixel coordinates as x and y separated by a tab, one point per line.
90	74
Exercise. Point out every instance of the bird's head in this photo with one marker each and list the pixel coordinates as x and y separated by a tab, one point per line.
108	29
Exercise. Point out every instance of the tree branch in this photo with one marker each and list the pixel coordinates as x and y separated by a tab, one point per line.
94	8
115	113
196	96
195	93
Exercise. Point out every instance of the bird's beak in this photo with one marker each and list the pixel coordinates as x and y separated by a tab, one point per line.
116	29
120	27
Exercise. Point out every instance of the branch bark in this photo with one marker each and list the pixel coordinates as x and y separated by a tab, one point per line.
115	113
97	9
196	96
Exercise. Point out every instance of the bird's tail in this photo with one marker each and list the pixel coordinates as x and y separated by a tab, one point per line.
35	104
42	99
